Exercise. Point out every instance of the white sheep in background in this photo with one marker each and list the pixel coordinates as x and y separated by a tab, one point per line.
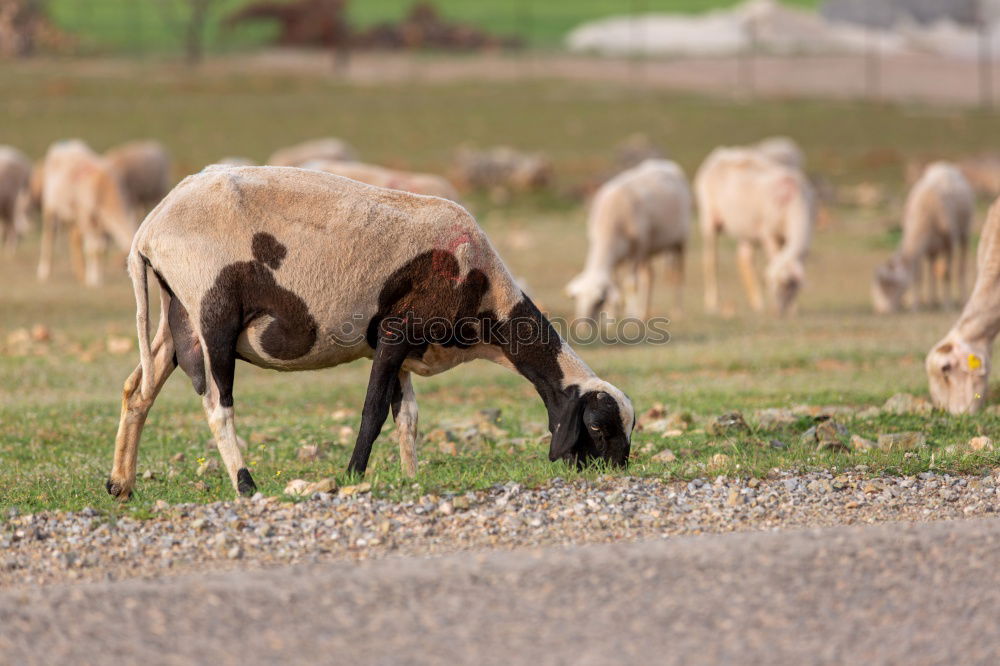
636	216
81	191
958	367
295	269
409	181
143	167
759	202
15	195
316	149
937	220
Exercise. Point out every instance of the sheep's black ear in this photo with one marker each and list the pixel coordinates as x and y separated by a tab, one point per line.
566	425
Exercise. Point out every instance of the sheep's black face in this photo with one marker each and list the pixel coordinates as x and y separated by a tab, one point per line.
599	425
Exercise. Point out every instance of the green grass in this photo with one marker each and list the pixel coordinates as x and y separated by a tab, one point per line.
59	409
152	25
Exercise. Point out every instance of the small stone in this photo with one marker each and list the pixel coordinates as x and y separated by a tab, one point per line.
446	508
209	466
980	444
345	434
728	423
734	498
777	444
948	495
348	491
235	553
148	475
461	503
327	485
904	403
160	505
177	457
490	415
672	433
198	524
201	486
859	443
296	487
718	460
665	456
771	417
901	441
308	453
839	483
42	333
448	447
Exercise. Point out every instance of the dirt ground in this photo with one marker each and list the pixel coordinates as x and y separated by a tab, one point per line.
928	79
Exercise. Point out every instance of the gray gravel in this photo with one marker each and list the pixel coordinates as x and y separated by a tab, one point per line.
891	594
263	532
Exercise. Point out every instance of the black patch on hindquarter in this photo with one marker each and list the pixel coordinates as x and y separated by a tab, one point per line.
427	301
244	482
243	292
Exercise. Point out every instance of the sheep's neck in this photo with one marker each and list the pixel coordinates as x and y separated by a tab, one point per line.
979	322
530	345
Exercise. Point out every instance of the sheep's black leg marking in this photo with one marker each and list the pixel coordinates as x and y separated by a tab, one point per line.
382	383
245	483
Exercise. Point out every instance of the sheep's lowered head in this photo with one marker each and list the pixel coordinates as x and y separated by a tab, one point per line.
596	422
785	277
889	286
592	293
958	374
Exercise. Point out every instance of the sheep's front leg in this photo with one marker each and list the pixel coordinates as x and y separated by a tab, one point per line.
93	251
942	267
710	267
404	412
388	361
135	408
918	285
676	278
645	290
744	257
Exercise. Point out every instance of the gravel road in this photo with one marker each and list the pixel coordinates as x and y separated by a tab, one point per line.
889	594
265	532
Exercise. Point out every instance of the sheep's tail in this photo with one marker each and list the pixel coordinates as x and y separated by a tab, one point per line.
137	271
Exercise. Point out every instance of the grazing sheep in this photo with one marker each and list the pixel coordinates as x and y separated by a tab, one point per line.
417	183
936	224
294	269
501	168
143	167
783	150
635	216
759	202
958	367
309	151
82	191
15	195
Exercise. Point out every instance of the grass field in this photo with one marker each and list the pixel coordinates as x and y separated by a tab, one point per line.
152	25
59	404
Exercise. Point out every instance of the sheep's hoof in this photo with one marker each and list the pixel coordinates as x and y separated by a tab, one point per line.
244	483
118	490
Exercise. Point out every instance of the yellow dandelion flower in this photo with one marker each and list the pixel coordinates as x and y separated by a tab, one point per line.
253	463
975	362
201	460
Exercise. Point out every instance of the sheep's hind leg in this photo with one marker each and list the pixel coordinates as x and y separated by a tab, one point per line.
218	404
404	412
388	361
744	257
135	408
